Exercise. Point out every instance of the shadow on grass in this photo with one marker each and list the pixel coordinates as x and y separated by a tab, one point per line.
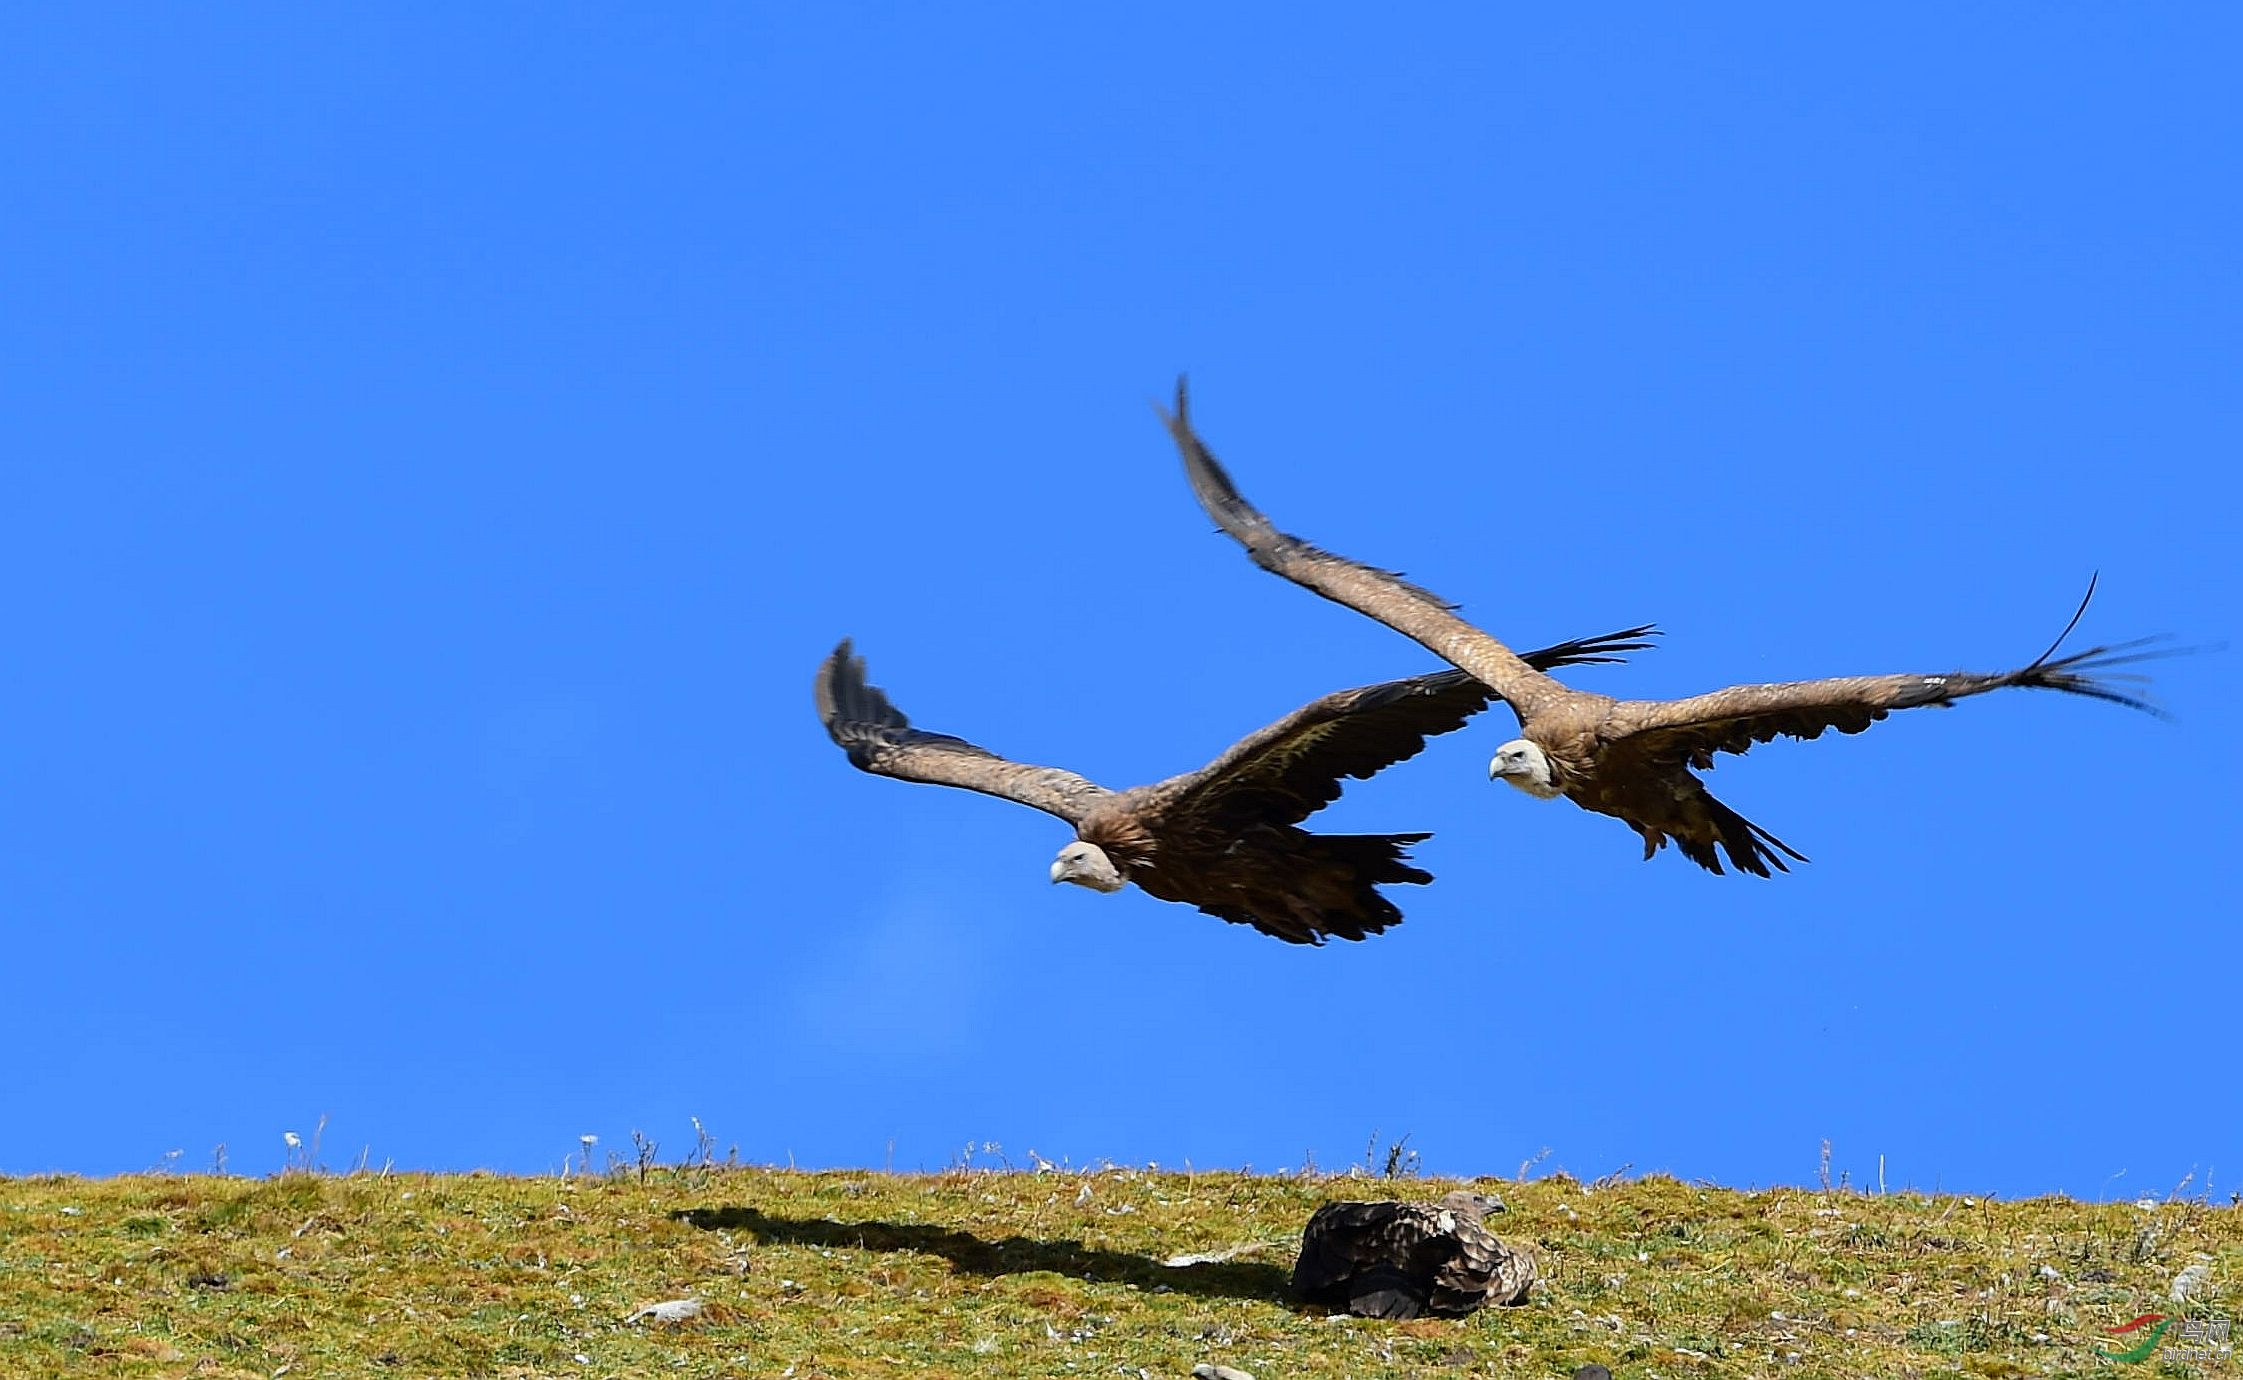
1230	1279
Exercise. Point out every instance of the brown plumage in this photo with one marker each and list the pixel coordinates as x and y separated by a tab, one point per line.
1221	838
1405	1260
1631	759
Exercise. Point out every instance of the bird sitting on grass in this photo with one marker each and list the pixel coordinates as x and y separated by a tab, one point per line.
1408	1260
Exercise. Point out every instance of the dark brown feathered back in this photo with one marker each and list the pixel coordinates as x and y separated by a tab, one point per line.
1404	1260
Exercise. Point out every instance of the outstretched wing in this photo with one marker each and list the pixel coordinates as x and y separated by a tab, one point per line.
1732	720
1287	771
1381	594
879	739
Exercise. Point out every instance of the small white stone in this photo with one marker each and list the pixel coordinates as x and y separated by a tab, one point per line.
668	1310
2188	1282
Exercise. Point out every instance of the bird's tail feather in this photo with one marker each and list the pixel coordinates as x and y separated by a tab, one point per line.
1374	858
1750	848
1383	1291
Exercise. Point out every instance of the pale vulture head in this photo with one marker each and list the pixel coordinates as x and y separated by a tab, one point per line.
1086	864
1527	767
1474	1206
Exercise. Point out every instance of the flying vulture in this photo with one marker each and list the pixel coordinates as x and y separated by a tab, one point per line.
1631	759
1221	838
1404	1260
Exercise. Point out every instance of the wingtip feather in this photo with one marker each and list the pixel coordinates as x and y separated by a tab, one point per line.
1212	484
2090	673
845	698
1604	650
2077	614
826	689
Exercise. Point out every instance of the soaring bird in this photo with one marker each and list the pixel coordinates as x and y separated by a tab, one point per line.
1632	759
1404	1260
1221	838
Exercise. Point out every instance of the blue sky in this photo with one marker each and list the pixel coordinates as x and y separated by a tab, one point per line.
441	445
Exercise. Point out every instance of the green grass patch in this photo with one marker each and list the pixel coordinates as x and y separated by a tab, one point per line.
995	1274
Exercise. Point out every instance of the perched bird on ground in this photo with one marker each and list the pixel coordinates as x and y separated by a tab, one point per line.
1406	1260
1632	759
1221	838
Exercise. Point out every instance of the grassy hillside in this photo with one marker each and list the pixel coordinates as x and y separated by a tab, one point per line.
1059	1273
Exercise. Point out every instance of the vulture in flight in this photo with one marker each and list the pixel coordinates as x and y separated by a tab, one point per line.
1221	838
1631	759
1406	1260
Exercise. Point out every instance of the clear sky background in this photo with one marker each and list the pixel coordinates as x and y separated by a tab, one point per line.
440	444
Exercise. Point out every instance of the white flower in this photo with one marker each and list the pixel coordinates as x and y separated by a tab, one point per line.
587	1141
295	1142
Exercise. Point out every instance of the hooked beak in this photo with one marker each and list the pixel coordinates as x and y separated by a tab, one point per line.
1058	871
